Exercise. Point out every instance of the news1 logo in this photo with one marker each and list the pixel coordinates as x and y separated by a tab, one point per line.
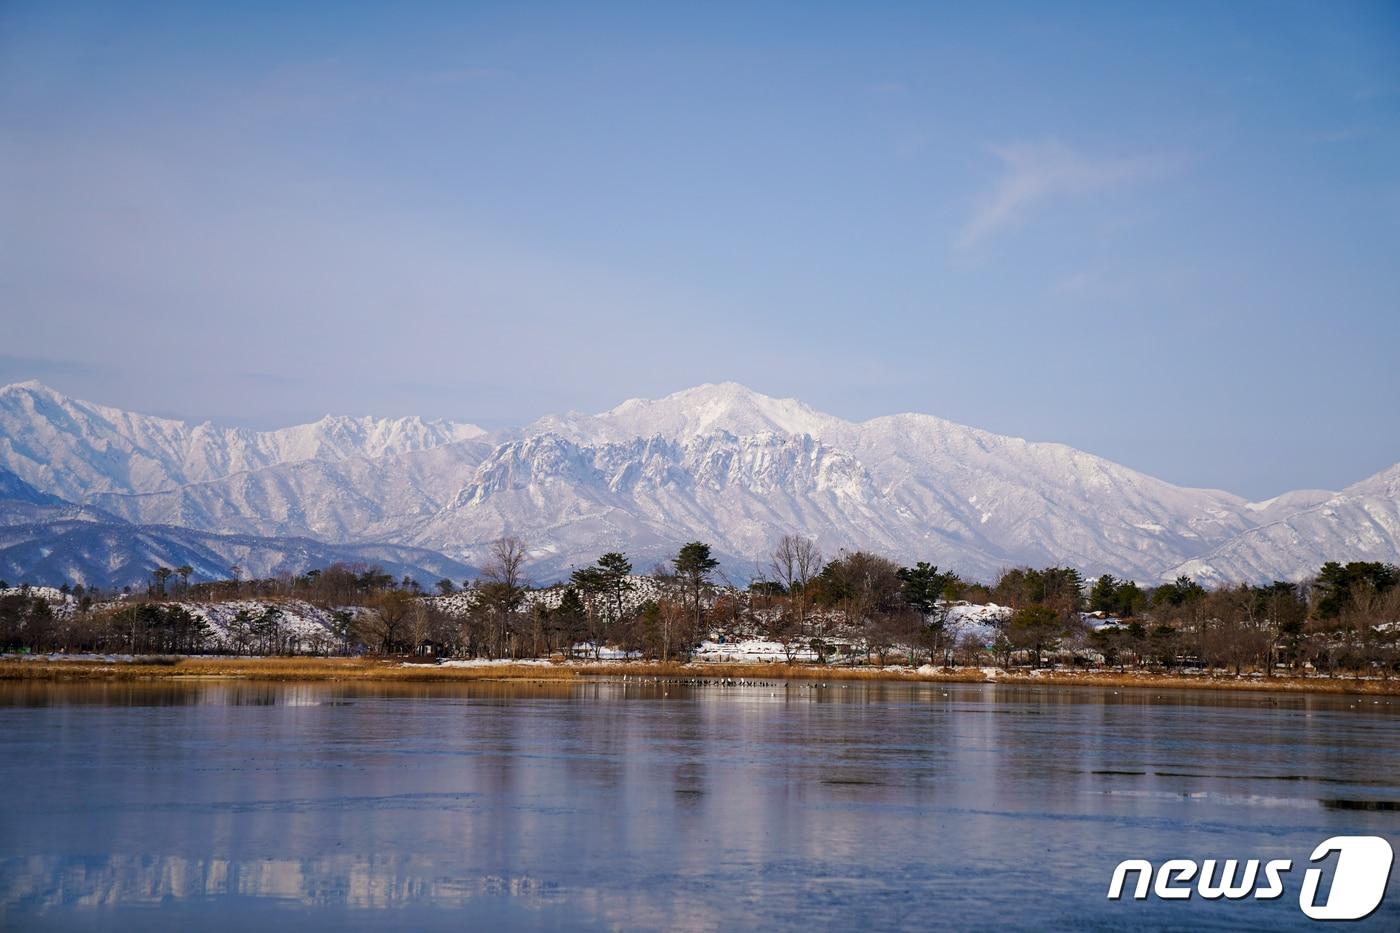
1359	877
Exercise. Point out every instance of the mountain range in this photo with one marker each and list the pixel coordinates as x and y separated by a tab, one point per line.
94	494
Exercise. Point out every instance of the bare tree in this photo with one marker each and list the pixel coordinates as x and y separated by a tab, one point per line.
387	624
504	589
418	627
796	561
506	565
677	628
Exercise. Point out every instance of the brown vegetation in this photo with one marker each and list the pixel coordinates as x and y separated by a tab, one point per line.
393	670
857	610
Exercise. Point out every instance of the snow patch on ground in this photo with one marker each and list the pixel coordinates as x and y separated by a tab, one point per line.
751	649
310	628
585	651
62	604
978	622
487	662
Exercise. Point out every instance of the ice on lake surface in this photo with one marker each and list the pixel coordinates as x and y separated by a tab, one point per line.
606	805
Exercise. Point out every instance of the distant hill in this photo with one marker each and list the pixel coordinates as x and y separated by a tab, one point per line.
113	555
14	489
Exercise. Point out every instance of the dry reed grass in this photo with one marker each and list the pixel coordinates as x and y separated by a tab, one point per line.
394	670
276	669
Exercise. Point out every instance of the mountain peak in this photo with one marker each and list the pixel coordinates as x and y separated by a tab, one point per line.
76	449
1384	483
705	394
714	406
717	462
30	385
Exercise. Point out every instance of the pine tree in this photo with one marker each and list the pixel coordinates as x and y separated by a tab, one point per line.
1104	596
922	586
614	571
1036	626
694	565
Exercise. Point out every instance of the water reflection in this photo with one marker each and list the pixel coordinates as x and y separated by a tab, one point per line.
364	882
665	805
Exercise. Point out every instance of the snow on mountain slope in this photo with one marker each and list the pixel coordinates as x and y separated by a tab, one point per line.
725	406
1362	522
718	463
933	489
1385	484
1282	506
1040	502
648	495
112	555
75	449
14	489
353	499
22	504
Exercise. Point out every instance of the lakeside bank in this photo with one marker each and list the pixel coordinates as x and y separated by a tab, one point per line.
371	670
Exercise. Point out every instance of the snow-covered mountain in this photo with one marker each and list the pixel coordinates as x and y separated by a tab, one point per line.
354	499
14	489
76	449
1362	522
917	486
113	555
44	539
719	463
727	407
647	495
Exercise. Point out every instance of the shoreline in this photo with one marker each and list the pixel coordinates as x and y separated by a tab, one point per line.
358	670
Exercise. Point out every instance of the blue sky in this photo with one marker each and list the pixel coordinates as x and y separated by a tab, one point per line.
1166	233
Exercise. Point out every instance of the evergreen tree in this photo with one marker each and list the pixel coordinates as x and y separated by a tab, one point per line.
1130	599
922	586
694	565
1035	626
569	620
1104	596
1339	584
614	577
1180	592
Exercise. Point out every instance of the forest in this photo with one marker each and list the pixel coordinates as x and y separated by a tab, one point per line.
854	608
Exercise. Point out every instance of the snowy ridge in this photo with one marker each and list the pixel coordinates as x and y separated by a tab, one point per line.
718	463
74	449
354	499
1360	523
112	555
644	496
724	407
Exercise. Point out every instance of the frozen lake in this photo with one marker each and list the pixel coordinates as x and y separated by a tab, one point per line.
610	805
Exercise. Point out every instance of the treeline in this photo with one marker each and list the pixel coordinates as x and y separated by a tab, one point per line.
857	607
1347	618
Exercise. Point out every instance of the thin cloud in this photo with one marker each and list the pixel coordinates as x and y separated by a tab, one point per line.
1036	174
